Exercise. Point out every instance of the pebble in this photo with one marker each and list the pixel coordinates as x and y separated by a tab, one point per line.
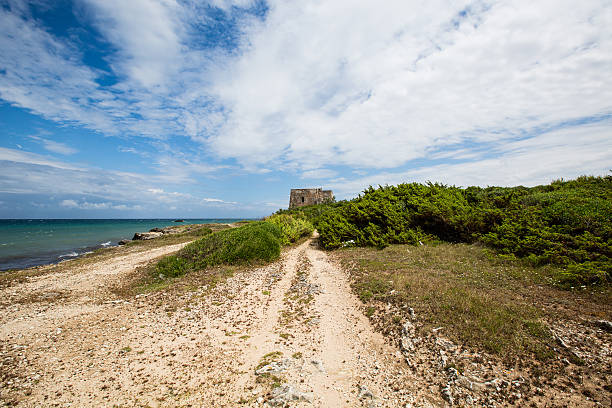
446	394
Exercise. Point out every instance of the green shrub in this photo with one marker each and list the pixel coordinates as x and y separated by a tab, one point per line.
587	273
565	223
257	241
171	267
311	213
201	232
253	242
291	228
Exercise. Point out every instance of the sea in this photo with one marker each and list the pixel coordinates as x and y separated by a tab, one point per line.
27	243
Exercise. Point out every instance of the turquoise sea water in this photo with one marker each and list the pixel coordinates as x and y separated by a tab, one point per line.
26	243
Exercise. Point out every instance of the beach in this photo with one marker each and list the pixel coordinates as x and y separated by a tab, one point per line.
88	333
69	336
26	243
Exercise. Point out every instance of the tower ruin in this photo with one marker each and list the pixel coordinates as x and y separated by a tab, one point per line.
309	196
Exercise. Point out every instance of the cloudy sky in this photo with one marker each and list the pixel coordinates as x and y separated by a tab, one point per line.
195	108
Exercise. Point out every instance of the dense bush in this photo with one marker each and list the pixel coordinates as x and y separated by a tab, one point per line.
256	241
311	213
291	228
567	223
251	242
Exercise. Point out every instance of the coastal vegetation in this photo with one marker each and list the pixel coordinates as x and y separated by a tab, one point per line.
252	242
257	241
488	266
480	300
291	229
564	223
460	310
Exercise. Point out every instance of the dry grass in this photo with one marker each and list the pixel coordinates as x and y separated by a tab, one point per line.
142	280
481	300
37	297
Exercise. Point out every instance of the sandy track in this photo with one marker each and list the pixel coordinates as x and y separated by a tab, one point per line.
31	306
295	318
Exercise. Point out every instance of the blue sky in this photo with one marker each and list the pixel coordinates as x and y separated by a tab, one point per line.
166	108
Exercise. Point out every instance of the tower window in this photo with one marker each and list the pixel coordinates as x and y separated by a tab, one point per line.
302	198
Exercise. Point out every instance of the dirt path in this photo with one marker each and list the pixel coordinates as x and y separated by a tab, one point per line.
287	333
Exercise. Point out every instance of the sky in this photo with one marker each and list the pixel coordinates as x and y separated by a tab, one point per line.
202	109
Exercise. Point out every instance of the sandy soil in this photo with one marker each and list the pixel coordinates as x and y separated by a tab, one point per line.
67	340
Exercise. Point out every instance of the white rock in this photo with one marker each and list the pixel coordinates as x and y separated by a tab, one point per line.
273	367
319	365
285	394
408	333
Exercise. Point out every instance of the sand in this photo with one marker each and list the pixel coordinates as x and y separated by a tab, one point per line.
68	339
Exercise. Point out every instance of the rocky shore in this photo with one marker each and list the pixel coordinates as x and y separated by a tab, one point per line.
158	232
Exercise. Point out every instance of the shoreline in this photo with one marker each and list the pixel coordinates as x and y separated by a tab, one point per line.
54	259
109	253
18	262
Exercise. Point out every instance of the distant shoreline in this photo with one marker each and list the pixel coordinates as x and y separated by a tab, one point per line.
30	242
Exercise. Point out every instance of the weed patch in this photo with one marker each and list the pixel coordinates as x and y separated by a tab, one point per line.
496	305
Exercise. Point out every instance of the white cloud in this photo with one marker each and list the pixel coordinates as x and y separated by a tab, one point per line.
55	147
217	200
168	196
69	204
147	33
123	149
318	84
24	173
28	173
564	153
369	86
44	75
19	156
227	4
85	205
318	174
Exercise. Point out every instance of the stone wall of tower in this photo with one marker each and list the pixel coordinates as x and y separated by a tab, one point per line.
309	196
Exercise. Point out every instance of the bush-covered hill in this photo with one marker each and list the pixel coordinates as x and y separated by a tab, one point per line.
567	223
259	241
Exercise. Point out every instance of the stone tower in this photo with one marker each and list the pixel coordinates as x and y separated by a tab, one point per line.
309	196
